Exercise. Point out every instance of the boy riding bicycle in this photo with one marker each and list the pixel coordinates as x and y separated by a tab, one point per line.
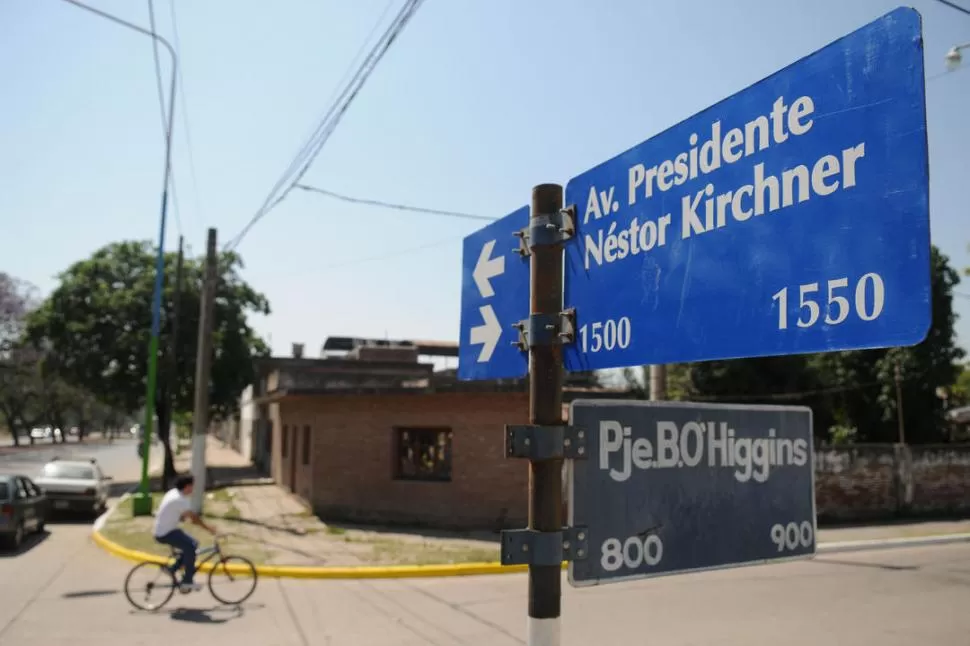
174	508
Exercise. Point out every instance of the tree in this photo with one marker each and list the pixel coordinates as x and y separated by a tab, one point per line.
18	392
854	393
960	392
97	323
923	369
678	381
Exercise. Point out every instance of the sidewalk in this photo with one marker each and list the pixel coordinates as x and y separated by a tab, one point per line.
269	525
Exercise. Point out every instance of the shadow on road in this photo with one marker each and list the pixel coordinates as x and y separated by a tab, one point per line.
83	594
215	615
70	518
30	542
878	566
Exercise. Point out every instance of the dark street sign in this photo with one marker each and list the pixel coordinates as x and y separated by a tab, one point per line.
673	487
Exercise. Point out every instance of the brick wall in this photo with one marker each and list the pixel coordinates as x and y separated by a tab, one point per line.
351	473
940	480
855	483
885	481
351	465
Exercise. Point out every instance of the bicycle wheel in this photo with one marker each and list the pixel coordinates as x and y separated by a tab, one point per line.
235	577
159	585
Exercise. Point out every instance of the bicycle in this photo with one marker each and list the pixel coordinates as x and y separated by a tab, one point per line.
232	565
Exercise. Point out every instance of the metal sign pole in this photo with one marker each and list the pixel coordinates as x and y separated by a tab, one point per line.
545	409
546	441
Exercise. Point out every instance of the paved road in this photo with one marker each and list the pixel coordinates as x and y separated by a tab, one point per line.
890	598
119	459
65	548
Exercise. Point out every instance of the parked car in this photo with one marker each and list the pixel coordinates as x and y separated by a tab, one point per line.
75	485
23	508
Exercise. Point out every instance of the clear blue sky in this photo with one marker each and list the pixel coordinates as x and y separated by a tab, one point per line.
469	109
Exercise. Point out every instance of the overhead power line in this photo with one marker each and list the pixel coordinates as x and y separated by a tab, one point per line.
161	105
185	107
391	205
954	5
302	161
352	68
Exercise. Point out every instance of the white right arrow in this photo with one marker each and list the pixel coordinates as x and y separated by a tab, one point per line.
487	268
486	335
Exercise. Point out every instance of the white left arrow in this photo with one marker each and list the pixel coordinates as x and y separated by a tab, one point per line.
487	268
487	334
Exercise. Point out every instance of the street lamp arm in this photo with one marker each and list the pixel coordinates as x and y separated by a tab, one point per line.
130	25
142	502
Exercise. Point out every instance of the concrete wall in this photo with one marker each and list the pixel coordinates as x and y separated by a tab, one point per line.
885	481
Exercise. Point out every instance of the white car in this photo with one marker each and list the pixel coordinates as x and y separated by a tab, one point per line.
74	485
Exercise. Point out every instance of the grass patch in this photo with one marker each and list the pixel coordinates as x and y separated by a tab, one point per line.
135	533
232	513
391	552
221	495
224	501
336	531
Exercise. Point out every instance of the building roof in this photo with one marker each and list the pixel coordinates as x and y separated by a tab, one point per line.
429	348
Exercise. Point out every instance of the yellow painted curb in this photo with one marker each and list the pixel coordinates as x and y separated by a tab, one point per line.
316	572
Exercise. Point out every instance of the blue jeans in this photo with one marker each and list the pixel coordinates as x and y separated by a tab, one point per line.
187	545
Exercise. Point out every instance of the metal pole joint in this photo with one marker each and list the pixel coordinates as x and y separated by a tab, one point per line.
551	549
543	329
547	230
543	443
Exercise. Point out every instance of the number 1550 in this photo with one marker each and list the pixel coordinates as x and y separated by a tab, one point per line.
868	301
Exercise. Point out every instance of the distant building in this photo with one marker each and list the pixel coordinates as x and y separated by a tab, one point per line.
371	433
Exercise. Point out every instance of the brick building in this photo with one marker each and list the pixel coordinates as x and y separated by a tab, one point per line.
376	435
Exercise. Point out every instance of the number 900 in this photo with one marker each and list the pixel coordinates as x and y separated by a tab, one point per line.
792	536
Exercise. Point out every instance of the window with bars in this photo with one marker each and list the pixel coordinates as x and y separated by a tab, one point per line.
422	454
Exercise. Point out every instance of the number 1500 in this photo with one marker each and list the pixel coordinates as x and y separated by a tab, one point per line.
868	302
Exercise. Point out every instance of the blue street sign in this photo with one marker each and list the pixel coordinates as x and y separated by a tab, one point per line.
494	297
673	487
790	218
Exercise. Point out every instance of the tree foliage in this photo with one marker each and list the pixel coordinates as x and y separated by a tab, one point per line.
852	394
31	392
97	323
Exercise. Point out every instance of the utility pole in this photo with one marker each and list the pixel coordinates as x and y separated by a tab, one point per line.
200	417
173	376
658	382
545	409
899	404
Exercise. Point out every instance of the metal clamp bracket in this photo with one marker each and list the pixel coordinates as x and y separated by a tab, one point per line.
553	228
540	443
547	230
529	547
546	329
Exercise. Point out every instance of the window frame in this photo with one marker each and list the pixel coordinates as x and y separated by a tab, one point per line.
20	490
33	491
306	444
397	473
